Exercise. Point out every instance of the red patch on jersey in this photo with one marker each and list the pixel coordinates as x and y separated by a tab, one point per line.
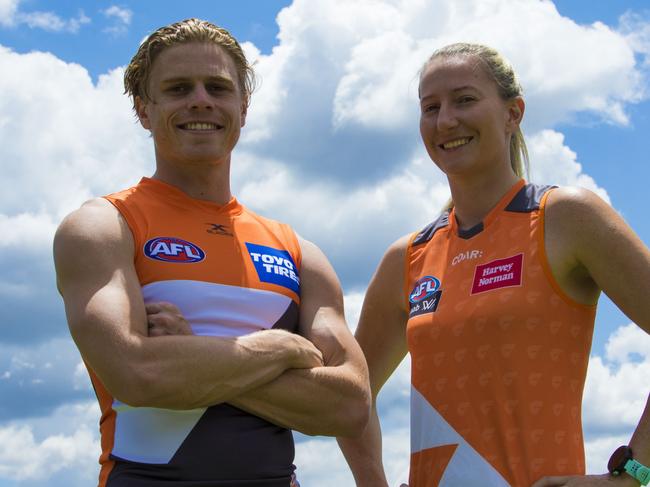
498	273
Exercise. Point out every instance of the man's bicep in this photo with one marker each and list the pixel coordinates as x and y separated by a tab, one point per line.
96	278
322	319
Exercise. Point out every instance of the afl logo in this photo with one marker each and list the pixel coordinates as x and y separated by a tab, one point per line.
172	249
424	288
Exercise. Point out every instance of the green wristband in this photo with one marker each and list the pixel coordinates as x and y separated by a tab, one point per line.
638	471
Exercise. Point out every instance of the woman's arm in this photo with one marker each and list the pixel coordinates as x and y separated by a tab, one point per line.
382	336
590	248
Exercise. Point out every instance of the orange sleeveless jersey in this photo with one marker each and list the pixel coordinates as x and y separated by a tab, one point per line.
231	272
498	352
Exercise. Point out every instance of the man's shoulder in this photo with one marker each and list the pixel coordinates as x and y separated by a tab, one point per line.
96	220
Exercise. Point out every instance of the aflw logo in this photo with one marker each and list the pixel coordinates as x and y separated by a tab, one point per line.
172	249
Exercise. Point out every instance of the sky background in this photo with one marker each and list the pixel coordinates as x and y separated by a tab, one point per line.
331	146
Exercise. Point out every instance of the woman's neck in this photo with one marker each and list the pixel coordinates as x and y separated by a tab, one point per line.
474	197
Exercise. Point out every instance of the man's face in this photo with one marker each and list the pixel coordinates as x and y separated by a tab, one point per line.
196	108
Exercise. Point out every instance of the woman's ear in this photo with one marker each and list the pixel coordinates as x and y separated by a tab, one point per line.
516	108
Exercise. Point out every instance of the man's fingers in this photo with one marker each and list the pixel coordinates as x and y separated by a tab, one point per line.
158	307
152	308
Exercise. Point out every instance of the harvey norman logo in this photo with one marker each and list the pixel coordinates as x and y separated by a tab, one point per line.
274	266
498	273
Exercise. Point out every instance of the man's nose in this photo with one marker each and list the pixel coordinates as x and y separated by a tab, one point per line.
200	98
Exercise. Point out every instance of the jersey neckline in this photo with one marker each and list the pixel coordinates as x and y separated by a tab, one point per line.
178	196
489	218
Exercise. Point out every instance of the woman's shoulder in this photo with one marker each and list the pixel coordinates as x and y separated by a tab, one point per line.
569	204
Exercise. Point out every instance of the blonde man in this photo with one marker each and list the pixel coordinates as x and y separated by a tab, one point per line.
208	331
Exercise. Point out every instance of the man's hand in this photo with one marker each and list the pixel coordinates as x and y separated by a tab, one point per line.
587	481
166	319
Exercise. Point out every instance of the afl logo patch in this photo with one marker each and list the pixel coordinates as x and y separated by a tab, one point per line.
425	296
172	249
424	288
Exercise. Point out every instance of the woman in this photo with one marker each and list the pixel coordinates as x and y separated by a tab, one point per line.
495	300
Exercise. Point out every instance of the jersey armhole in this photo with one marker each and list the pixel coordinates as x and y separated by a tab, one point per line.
296	244
136	232
546	266
407	268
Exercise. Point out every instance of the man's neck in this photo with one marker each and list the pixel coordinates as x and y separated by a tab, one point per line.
204	182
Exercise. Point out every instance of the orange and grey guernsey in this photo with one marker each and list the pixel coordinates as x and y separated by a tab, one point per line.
231	273
499	352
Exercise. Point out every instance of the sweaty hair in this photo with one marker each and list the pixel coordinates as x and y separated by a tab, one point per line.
136	76
502	73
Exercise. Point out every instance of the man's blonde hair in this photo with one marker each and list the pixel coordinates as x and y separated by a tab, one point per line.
136	76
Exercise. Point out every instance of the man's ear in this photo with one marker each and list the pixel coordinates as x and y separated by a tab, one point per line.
516	109
141	112
244	111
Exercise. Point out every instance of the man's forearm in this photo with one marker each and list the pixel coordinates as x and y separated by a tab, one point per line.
331	401
364	454
186	372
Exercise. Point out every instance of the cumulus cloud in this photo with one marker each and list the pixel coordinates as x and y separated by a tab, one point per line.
552	162
366	76
617	375
30	454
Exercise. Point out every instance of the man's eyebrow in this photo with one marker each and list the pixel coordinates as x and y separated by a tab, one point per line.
183	79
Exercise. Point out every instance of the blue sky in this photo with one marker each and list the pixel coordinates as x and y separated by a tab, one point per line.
331	146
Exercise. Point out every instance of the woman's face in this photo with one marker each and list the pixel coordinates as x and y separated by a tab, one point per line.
464	123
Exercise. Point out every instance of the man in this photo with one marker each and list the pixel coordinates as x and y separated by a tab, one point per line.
208	401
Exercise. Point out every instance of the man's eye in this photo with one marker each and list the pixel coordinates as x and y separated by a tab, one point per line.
215	88
466	99
430	108
178	89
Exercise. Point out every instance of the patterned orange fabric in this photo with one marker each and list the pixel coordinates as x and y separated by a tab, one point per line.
499	353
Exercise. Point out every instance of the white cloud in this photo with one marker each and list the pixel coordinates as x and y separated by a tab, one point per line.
367	71
11	16
88	140
27	454
122	19
52	22
353	302
8	9
552	162
636	28
124	15
615	392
